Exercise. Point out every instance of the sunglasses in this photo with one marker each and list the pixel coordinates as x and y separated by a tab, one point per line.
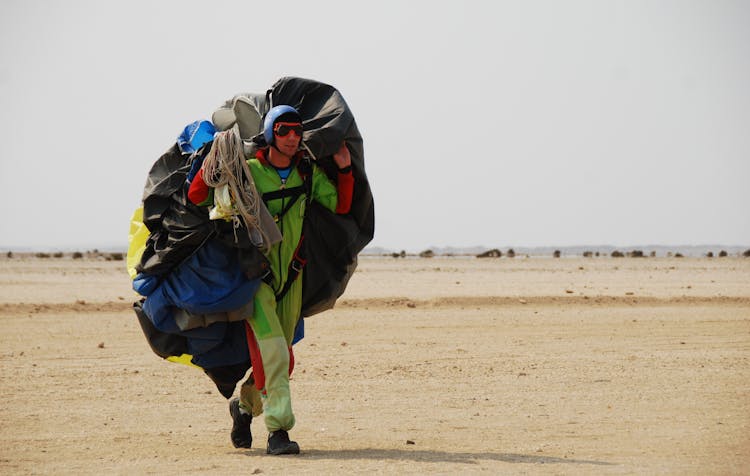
283	129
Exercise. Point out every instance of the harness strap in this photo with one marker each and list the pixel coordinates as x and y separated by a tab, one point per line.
294	193
283	193
295	269
298	258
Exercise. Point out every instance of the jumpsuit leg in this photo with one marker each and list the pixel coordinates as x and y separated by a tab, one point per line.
268	330
289	309
250	398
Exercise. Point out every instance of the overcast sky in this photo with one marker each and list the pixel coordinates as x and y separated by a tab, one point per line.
489	123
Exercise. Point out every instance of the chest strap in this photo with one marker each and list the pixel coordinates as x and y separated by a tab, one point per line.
293	193
283	193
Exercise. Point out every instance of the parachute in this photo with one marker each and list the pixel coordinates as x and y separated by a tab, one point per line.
192	315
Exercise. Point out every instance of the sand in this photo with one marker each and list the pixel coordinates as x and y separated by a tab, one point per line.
440	366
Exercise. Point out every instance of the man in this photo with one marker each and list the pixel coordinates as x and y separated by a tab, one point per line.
284	178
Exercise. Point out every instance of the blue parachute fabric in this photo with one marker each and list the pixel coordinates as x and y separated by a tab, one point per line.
226	344
195	135
220	349
210	281
145	284
299	331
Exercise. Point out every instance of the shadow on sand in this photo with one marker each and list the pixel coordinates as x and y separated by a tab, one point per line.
441	456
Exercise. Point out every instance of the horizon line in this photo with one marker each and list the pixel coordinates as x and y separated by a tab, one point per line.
472	248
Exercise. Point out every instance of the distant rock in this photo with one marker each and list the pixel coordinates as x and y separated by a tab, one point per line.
494	253
596	250
427	254
617	254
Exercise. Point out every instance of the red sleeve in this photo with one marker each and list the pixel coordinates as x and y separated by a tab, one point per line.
345	190
198	191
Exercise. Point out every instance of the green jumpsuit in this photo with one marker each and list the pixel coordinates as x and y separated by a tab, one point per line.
273	323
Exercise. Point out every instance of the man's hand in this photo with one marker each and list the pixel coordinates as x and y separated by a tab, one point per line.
342	157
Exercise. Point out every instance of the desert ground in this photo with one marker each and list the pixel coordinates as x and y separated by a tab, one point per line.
448	365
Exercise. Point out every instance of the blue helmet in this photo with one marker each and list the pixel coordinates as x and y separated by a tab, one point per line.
273	115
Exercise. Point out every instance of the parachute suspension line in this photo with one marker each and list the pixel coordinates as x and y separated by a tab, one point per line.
315	159
225	165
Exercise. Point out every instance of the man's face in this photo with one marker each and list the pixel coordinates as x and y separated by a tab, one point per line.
287	136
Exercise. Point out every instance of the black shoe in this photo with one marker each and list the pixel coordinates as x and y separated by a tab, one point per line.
241	435
279	444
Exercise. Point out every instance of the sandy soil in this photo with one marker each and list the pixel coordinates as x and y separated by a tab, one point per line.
444	365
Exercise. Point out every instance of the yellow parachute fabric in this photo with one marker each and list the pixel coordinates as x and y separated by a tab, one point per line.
136	241
184	359
136	245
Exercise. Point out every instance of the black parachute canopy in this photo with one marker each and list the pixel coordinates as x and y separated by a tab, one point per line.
332	241
178	228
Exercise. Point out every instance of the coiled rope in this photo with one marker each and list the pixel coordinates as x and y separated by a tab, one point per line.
225	165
